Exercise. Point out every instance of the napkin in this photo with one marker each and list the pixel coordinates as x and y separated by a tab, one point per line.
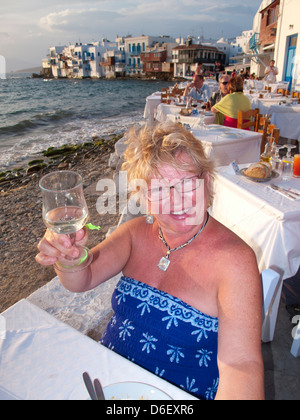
233	168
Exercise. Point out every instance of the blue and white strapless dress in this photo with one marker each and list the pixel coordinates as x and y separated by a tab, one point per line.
165	336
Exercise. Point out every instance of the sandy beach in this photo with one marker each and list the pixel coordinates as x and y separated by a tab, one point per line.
21	224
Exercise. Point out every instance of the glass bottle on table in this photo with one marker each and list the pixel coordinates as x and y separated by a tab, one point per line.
288	163
266	156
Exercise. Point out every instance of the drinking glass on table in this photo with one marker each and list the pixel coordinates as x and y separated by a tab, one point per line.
202	124
275	160
288	163
65	212
296	171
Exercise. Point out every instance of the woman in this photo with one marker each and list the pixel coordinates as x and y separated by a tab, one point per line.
188	306
229	106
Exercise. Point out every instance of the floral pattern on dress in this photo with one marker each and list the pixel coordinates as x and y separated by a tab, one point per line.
165	336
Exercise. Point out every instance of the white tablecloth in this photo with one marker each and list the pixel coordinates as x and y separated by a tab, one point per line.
261	84
263	218
264	104
151	105
170	112
43	359
287	119
225	145
154	100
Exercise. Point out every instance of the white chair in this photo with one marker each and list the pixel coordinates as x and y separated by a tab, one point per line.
272	288
295	350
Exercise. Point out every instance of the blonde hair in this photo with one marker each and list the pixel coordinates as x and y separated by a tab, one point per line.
151	147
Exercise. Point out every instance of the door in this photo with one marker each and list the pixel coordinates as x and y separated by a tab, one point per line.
292	45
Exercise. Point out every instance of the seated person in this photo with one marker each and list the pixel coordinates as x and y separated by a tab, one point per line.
223	90
236	101
197	90
188	306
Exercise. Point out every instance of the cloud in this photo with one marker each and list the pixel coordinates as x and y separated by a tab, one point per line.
63	20
29	28
77	20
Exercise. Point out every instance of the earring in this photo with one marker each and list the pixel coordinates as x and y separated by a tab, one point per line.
149	219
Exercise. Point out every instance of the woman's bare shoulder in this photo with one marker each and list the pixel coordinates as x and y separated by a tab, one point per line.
234	252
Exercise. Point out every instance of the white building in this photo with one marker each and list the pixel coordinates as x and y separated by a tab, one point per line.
285	49
287	46
78	60
135	45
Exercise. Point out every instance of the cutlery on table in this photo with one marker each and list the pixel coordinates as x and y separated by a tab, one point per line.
94	389
99	390
283	191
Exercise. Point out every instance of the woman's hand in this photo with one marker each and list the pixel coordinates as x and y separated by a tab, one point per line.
54	247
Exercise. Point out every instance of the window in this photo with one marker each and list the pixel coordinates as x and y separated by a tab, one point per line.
272	15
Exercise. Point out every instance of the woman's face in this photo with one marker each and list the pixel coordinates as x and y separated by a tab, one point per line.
179	199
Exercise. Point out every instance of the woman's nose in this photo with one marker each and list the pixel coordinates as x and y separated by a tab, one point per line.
175	198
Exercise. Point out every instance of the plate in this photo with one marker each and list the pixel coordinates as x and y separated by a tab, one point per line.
274	175
134	391
186	111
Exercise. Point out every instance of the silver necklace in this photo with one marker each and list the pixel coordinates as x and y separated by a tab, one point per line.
165	261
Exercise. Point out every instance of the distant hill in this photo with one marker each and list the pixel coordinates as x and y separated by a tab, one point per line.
32	70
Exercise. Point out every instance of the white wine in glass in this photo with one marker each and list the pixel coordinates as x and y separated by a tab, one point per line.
65	212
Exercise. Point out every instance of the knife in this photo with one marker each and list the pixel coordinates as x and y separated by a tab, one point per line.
99	390
89	386
283	192
286	190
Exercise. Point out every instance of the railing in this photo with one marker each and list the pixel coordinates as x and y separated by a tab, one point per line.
254	42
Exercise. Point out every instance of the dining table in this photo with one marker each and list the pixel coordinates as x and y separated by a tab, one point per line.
225	145
152	102
262	84
266	219
173	112
42	358
265	100
287	118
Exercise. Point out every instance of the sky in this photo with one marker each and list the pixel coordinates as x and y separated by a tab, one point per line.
29	28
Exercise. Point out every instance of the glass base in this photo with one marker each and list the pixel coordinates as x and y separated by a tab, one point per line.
79	264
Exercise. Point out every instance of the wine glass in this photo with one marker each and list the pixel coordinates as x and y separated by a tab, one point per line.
65	212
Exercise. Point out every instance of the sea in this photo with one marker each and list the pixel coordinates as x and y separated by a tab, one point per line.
37	113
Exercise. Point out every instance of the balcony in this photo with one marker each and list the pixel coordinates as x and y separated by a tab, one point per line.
110	61
254	43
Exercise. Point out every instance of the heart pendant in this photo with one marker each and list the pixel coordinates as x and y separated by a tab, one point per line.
164	264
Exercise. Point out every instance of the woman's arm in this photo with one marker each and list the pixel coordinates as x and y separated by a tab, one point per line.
240	319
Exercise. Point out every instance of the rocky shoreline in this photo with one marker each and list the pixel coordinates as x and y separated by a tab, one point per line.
21	224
